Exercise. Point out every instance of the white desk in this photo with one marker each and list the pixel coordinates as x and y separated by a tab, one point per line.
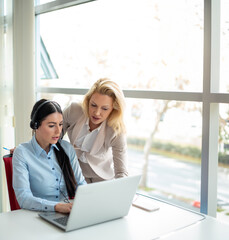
169	222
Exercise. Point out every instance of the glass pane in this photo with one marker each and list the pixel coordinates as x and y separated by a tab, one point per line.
152	44
40	2
63	99
164	139
223	169
224	52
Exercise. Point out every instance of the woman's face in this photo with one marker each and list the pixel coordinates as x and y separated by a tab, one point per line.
49	131
100	107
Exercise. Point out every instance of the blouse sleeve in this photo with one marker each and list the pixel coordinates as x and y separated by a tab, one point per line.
66	122
119	151
71	115
21	185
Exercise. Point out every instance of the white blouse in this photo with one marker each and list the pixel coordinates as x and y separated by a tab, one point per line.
86	140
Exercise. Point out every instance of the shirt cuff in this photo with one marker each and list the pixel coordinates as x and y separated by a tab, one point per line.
49	207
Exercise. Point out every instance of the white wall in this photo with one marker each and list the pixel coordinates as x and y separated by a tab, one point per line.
24	67
17	78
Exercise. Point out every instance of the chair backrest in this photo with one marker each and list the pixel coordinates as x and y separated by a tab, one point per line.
9	177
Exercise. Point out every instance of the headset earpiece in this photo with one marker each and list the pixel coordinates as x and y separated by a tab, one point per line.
33	123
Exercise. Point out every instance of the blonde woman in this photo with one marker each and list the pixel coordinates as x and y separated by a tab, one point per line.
97	132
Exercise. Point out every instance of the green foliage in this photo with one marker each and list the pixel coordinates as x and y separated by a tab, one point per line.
219	209
224	158
168	147
188	151
136	141
183	150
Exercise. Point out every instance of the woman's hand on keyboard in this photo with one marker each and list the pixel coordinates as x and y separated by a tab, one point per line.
63	207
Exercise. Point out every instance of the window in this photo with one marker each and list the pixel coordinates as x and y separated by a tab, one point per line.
155	45
159	52
223	170
224	50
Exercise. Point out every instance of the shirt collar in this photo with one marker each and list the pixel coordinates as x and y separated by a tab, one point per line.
97	129
38	149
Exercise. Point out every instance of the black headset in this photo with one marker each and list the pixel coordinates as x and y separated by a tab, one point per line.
33	123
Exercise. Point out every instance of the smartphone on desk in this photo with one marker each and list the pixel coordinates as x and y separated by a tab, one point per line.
144	203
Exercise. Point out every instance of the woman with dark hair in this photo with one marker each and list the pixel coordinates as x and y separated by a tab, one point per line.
46	171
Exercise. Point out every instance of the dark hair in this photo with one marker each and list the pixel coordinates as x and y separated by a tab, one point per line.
67	171
41	110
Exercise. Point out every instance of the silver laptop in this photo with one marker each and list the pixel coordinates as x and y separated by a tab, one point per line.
96	203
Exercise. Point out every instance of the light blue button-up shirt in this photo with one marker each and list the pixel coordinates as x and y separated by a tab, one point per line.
38	181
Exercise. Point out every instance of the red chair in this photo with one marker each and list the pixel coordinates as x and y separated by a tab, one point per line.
9	177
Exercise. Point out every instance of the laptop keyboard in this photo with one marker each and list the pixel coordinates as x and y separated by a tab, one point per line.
62	220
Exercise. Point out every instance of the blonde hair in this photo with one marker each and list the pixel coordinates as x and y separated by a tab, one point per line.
107	87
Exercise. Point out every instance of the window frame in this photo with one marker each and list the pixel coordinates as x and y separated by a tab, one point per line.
210	97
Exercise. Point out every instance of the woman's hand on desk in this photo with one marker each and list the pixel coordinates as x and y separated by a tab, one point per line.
12	150
63	207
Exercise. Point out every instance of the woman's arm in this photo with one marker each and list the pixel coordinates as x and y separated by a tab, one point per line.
71	114
66	117
21	184
119	151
